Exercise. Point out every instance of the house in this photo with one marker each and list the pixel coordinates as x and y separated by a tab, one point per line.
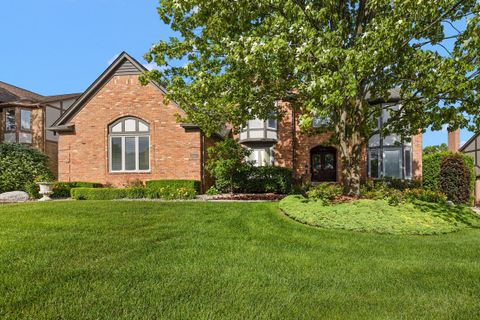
312	156
25	115
118	131
472	148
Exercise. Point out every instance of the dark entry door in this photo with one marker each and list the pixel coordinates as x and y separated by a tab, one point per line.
324	164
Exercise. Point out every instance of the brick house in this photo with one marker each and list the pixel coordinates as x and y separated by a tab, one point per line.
313	158
119	130
25	116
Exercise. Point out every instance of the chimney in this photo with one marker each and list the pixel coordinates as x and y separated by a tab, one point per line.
454	140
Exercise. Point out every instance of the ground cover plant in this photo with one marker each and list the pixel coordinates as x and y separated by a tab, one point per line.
381	216
143	260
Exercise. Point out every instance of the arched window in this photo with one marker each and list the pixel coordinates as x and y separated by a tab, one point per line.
129	145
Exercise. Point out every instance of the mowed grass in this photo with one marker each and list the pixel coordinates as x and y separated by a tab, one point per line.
145	260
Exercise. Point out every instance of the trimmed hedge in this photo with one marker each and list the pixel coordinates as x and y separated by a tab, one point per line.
174	184
62	189
156	189
454	179
98	193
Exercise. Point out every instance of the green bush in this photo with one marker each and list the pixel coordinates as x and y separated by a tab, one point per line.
425	195
174	184
226	161
266	179
136	193
212	191
399	184
325	192
454	179
172	189
431	170
20	165
62	189
98	193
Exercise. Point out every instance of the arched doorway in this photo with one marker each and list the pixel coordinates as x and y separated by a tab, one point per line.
323	164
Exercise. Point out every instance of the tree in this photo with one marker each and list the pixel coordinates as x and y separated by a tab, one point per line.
434	149
225	160
328	59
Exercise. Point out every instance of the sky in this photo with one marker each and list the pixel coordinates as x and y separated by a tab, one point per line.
62	46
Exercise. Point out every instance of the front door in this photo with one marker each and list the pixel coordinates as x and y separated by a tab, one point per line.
324	164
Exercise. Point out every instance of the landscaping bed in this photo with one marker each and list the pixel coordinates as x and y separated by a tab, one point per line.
245	197
369	215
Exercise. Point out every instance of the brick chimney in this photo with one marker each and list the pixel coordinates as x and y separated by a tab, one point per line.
454	140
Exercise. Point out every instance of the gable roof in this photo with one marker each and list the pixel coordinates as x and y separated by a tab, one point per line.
7	96
465	145
21	93
124	64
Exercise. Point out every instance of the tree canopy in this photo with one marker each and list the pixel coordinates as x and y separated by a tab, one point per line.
330	59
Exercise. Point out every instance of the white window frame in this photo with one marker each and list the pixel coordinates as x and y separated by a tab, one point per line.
137	135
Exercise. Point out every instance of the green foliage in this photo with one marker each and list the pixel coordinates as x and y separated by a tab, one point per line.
174	184
325	192
212	191
172	189
62	189
431	171
265	179
98	193
226	160
381	217
434	149
20	166
338	56
425	195
136	192
454	179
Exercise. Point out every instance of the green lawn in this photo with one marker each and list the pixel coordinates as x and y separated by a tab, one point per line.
145	260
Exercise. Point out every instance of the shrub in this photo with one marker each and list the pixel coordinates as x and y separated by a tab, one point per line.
454	179
20	165
431	170
399	184
136	193
226	160
172	189
98	193
62	189
212	191
425	195
325	192
266	179
174	184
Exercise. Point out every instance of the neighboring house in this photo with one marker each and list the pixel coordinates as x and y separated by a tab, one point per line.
472	148
25	115
312	157
119	130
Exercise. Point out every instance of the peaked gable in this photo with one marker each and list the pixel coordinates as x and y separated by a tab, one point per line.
124	64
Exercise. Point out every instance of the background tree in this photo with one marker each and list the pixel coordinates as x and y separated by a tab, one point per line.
238	57
433	149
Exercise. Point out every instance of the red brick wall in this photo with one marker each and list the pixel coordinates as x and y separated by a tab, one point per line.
174	152
304	143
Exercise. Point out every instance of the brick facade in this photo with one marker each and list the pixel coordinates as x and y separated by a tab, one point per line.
175	153
293	148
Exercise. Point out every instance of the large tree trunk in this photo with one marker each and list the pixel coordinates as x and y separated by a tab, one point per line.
348	130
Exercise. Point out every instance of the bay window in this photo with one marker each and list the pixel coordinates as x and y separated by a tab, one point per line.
129	146
18	125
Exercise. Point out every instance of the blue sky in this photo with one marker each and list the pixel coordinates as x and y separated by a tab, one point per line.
61	46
